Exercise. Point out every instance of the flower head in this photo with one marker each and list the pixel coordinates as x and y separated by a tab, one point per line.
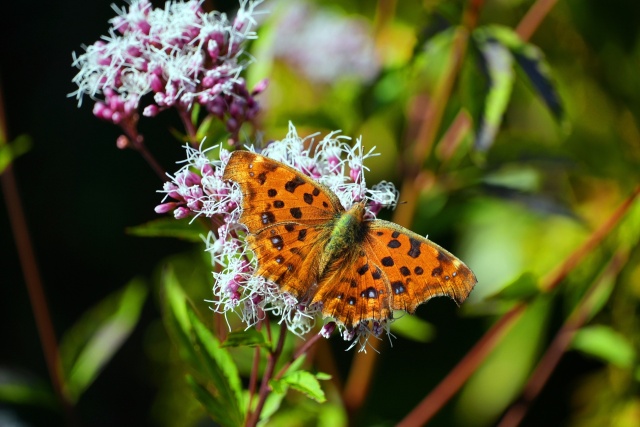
198	189
325	45
180	54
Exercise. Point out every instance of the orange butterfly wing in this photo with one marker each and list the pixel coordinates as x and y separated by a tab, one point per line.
416	268
286	214
354	290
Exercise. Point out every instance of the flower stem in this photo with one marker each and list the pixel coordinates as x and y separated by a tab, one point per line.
302	350
139	145
582	312
254	417
189	128
531	21
32	277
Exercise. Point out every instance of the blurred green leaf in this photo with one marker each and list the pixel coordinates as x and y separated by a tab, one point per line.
214	407
9	152
530	59
212	365
176	318
272	403
323	376
499	65
304	382
524	287
17	388
170	227
606	344
249	337
413	328
87	347
221	369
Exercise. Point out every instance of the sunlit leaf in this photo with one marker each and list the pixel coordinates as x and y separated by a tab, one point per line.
413	328
9	152
606	344
89	345
523	288
273	402
532	61
170	227
250	337
499	65
306	383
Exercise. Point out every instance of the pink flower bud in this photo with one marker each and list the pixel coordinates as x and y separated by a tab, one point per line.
260	87
150	110
181	213
327	329
165	207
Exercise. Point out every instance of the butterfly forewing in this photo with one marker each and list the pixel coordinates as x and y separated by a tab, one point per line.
417	269
288	255
275	193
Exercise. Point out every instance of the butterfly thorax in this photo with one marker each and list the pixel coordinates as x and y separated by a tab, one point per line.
349	229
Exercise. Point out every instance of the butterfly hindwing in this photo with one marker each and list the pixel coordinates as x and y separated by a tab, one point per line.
416	268
354	290
274	192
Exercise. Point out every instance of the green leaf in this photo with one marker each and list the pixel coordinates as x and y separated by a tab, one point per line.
413	328
524	287
9	152
531	60
306	383
498	61
219	367
87	347
250	338
216	408
323	376
272	403
606	344
176	318
214	371
279	386
170	227
23	389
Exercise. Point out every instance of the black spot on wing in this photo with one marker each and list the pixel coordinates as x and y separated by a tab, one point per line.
267	218
291	186
262	178
387	261
414	252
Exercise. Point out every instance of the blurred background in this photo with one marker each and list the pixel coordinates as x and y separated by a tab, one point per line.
523	189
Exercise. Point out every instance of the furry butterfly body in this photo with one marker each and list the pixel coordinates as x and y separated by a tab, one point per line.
311	247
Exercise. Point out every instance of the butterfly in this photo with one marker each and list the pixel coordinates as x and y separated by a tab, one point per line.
358	269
